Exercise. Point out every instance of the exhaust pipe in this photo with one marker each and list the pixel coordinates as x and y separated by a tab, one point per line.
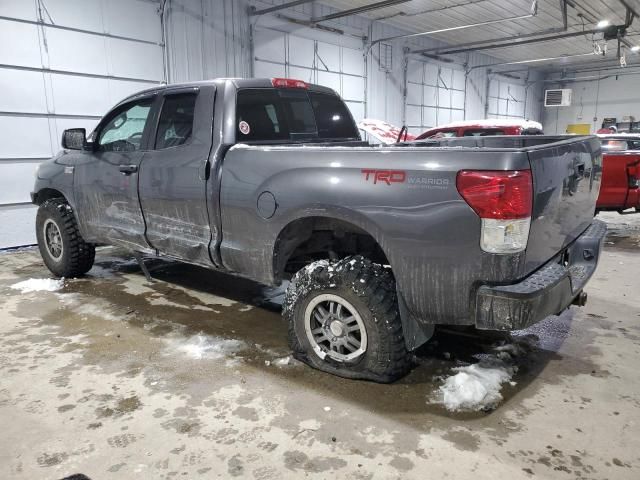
580	300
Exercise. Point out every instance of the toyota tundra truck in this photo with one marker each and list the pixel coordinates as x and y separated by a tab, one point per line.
268	179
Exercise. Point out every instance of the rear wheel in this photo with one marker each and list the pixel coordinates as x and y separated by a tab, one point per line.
343	319
64	251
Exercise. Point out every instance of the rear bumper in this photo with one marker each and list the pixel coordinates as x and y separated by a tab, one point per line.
546	292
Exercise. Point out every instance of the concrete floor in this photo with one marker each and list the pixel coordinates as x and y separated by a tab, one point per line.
188	378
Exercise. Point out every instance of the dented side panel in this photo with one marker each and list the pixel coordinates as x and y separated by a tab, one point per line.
406	198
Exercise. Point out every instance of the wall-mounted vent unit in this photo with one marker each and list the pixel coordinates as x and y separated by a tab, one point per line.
557	98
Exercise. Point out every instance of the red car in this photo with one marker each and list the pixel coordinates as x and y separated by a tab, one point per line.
620	187
386	133
483	128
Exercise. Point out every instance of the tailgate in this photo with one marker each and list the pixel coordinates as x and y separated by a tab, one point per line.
566	182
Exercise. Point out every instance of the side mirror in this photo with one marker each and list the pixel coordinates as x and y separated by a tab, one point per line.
74	139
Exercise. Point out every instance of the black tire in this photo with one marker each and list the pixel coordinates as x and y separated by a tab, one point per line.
76	256
370	289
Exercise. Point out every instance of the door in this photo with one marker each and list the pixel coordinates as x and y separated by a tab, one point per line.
173	176
106	180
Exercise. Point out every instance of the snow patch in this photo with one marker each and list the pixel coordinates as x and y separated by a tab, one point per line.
475	387
39	285
478	386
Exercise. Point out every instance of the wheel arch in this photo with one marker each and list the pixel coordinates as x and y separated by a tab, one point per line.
47	193
296	232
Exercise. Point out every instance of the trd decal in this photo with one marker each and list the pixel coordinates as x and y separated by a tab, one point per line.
385	176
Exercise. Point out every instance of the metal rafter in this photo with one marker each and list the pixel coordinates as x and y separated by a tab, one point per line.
357	10
276	8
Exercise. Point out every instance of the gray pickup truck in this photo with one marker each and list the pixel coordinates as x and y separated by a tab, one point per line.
269	179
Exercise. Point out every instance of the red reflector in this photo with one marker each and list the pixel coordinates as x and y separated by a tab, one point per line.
288	83
503	195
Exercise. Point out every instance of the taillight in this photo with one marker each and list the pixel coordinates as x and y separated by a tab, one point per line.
288	83
503	200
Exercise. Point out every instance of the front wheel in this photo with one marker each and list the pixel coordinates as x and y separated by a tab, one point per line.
64	251
343	319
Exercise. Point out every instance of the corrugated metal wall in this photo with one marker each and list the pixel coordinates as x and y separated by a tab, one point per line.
207	39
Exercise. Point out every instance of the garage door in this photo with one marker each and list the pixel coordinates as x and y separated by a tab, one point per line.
506	99
63	63
279	54
435	95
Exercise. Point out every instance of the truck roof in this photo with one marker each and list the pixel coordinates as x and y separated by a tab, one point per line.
237	82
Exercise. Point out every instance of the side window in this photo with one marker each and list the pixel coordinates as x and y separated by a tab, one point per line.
176	120
123	131
483	133
444	134
614	145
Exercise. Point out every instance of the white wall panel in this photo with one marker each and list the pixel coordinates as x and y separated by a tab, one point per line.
269	45
84	14
353	88
37	105
24	137
329	57
414	115
141	20
22	91
80	95
19	44
304	74
301	52
18	226
18	178
269	70
352	61
134	60
77	52
507	99
17	9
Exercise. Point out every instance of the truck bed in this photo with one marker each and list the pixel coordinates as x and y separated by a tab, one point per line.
405	196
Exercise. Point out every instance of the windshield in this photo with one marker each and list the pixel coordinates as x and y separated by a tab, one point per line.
269	114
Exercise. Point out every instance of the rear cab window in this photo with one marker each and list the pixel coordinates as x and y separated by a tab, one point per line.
290	115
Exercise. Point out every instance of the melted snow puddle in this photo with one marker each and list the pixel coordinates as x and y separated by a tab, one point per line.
478	386
39	285
207	347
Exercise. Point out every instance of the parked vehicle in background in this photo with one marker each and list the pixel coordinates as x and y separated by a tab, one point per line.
483	128
384	133
620	188
268	179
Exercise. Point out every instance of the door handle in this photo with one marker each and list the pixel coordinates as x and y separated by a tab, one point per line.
128	169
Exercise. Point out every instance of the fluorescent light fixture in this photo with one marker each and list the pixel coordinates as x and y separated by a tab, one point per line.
603	23
635	48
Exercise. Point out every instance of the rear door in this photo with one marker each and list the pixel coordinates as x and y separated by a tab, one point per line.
106	180
173	175
566	182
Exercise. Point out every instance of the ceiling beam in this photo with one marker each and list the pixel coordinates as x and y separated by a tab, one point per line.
516	43
451	29
563	9
357	10
276	8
